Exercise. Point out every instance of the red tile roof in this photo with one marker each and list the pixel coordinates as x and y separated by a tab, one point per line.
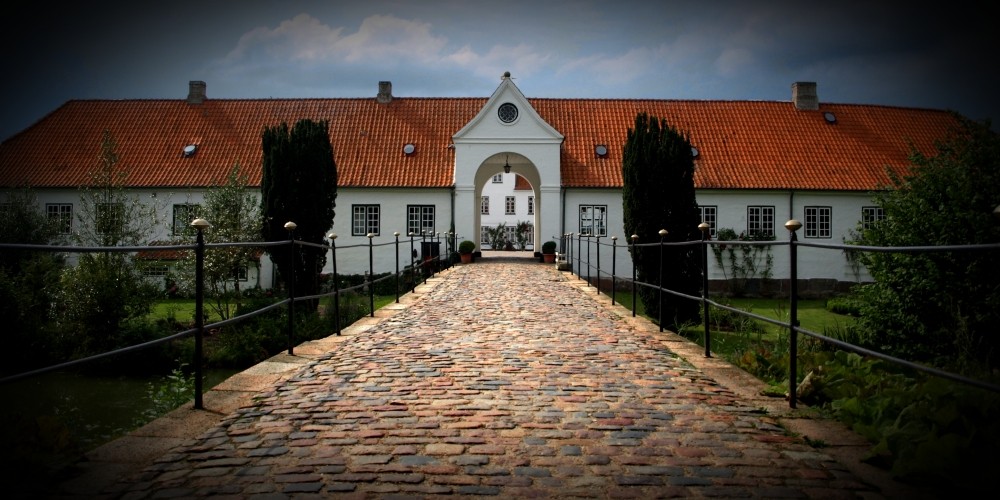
742	144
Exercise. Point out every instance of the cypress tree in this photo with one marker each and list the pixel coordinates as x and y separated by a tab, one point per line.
299	184
658	193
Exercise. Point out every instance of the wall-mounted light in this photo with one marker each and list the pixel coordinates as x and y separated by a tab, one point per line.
506	165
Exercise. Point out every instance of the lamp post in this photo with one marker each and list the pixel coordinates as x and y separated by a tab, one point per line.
395	234
371	275
336	285
704	227
793	313
663	234
413	273
634	239
290	227
199	309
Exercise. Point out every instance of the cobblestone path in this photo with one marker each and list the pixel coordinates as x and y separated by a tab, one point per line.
503	381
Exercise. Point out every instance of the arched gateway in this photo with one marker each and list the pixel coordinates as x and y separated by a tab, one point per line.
508	131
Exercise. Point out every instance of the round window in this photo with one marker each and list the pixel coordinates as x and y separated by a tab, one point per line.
507	112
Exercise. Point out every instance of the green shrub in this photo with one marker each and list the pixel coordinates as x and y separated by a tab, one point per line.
549	247
848	306
466	247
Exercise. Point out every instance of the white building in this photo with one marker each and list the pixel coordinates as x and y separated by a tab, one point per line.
426	164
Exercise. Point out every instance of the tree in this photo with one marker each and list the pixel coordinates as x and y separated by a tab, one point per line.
234	214
28	280
658	193
940	306
299	185
106	289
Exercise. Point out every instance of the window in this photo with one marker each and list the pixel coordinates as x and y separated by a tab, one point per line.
498	179
155	270
365	220
110	218
419	219
818	222
871	215
61	214
509	205
709	214
484	235
184	213
507	112
594	220
484	205
760	220
531	205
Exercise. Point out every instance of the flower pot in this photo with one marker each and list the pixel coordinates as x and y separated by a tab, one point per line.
466	258
549	257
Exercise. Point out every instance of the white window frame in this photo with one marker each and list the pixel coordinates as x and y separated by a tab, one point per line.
420	219
871	215
187	211
484	205
818	222
509	205
591	213
366	219
760	219
497	178
62	215
710	214
531	205
104	219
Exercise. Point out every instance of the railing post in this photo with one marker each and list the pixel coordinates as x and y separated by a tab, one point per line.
371	275
588	255
635	239
413	271
199	309
614	264
793	312
598	246
336	284
395	234
290	227
659	300
705	228
579	256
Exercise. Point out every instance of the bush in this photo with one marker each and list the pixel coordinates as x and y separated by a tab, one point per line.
549	247
466	247
848	306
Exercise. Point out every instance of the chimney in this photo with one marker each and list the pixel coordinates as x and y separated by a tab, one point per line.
804	96
196	92
384	92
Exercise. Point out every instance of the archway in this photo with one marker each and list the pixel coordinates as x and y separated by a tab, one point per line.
491	168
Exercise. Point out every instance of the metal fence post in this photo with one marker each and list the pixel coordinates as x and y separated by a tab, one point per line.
635	239
413	274
336	284
290	227
598	246
395	234
199	309
793	312
659	300
579	256
705	227
371	274
614	260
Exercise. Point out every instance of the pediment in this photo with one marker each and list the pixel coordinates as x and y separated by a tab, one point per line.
507	116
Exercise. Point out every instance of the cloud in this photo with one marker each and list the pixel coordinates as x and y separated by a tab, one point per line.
380	40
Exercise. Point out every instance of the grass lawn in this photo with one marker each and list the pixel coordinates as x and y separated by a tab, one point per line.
812	314
183	309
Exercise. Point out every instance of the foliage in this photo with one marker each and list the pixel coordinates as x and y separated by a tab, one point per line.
234	215
925	429
170	393
107	289
941	307
521	232
497	236
299	184
743	265
549	247
29	280
848	306
466	247
658	193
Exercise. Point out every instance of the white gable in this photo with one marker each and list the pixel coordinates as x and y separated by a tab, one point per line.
520	122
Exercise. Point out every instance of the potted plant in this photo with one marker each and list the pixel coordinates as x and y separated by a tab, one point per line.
465	249
549	252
